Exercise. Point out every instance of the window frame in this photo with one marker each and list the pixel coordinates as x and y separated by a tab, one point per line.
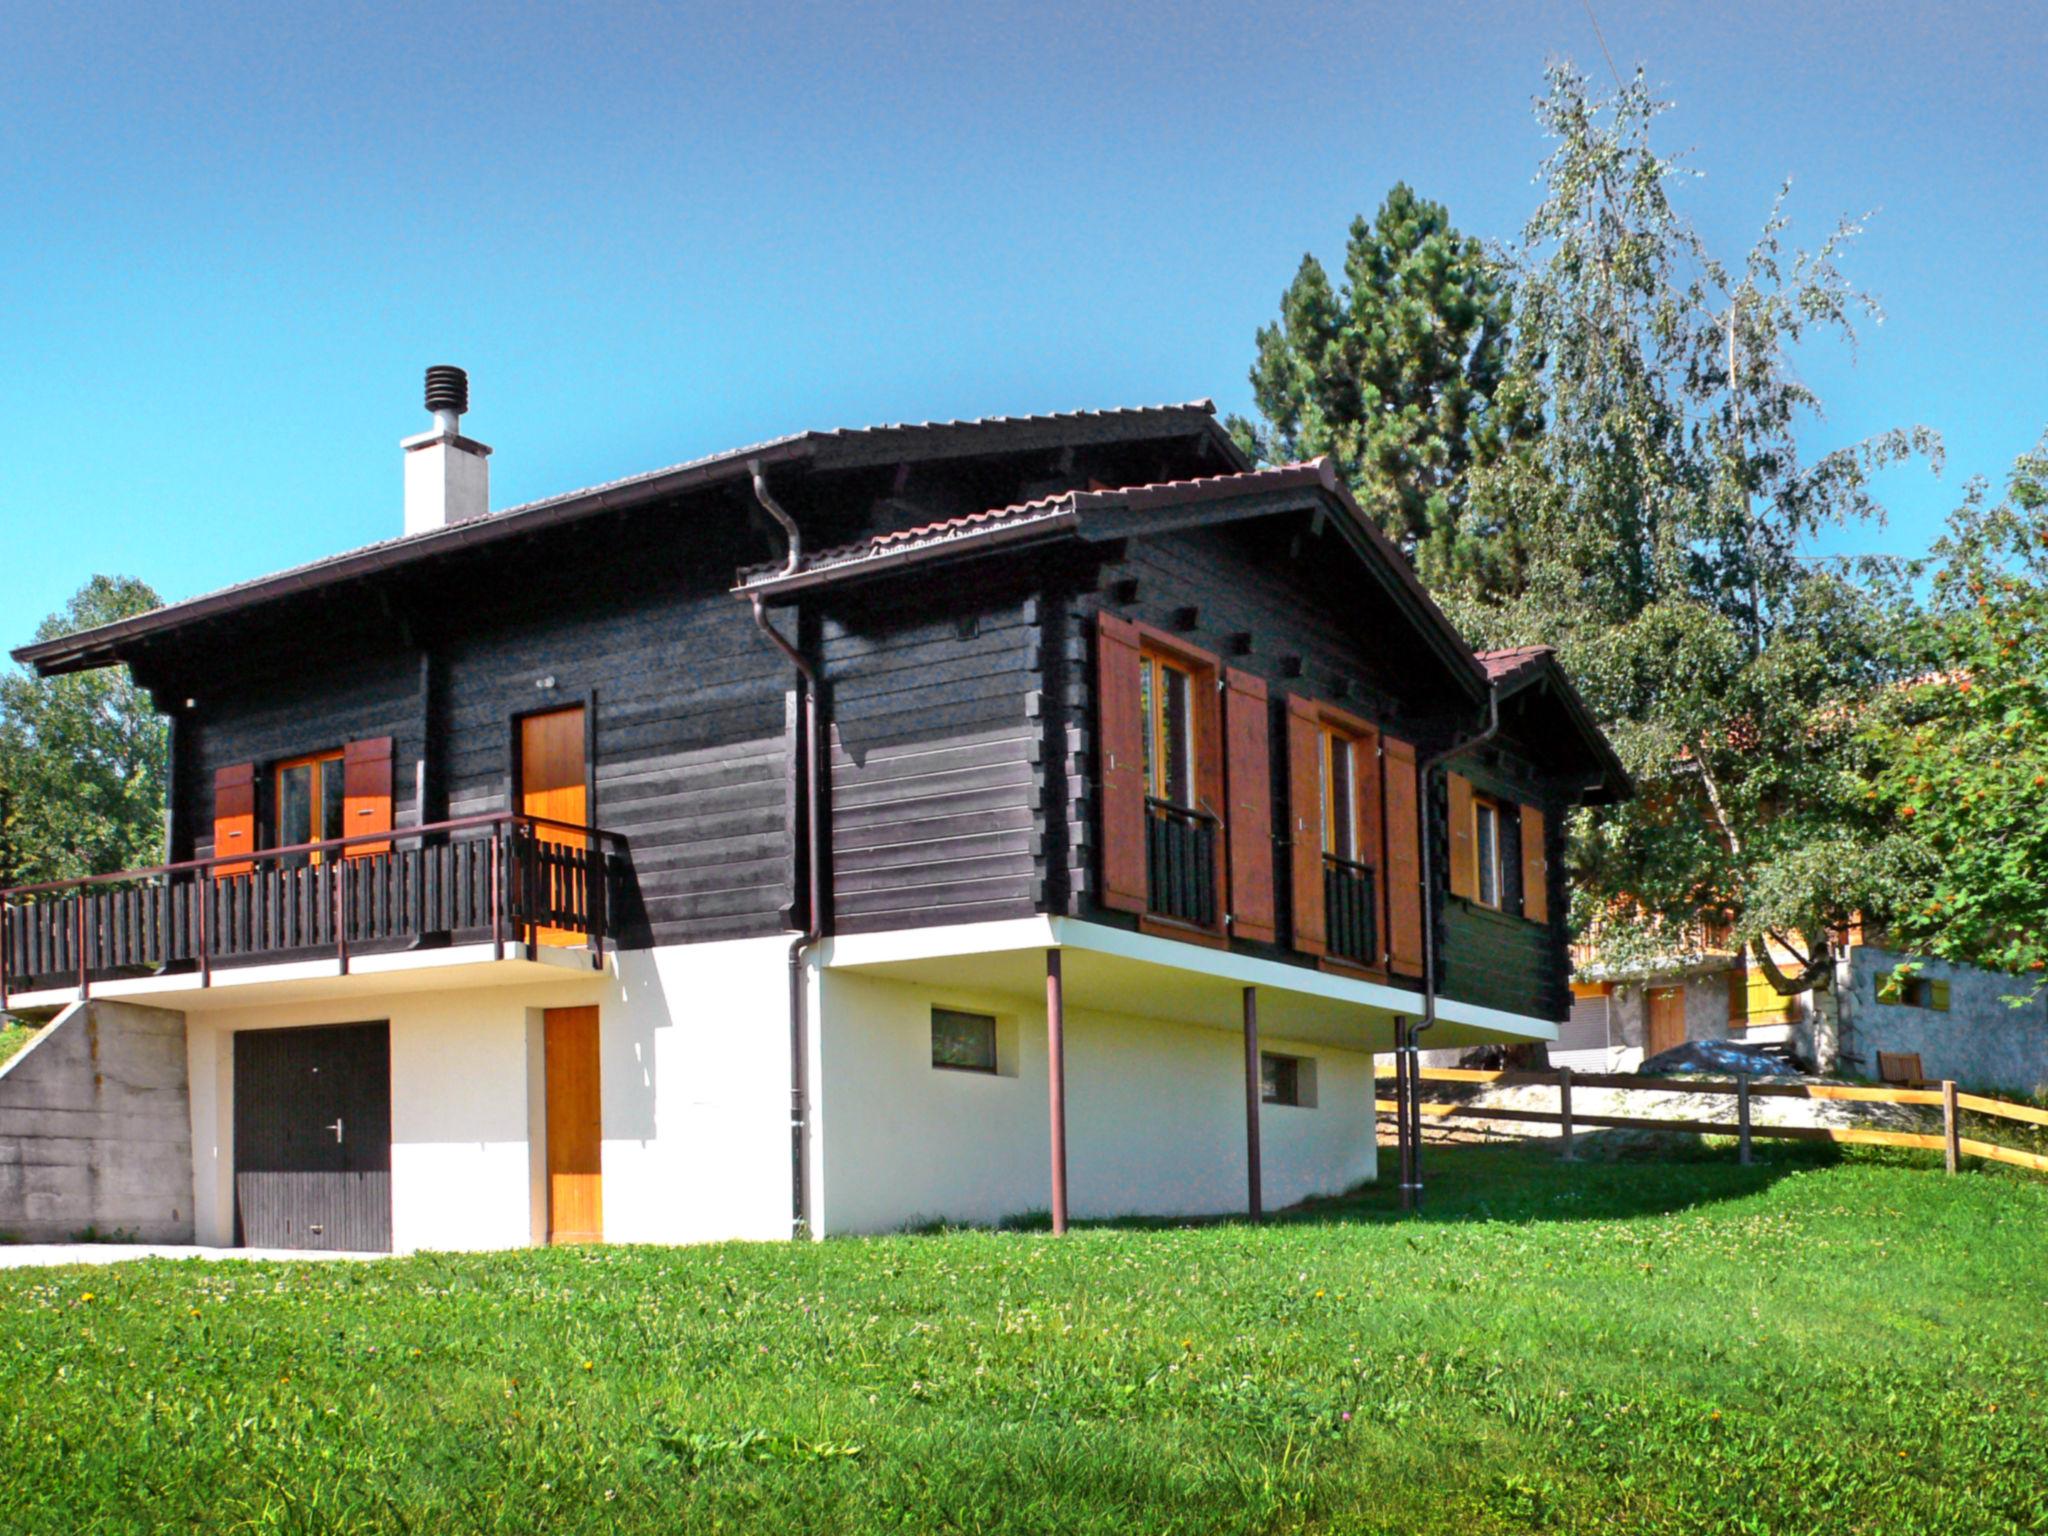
995	1041
1299	1077
1154	663
1486	852
322	763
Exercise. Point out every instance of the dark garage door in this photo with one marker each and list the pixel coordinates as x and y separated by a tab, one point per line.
313	1137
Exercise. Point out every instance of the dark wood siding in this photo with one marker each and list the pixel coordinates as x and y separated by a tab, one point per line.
692	712
935	760
1273	600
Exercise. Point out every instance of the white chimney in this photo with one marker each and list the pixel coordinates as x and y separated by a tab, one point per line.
447	475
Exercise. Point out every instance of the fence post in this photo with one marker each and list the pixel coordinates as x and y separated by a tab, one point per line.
1742	1115
1564	1108
1951	1127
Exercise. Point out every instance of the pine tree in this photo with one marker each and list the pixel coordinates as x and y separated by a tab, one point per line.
1401	377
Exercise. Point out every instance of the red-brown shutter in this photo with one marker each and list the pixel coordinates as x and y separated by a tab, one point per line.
1250	812
1464	849
234	815
366	793
1305	824
1120	764
1372	827
1535	867
1404	858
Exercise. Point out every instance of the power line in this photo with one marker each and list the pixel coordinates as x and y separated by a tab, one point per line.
1602	38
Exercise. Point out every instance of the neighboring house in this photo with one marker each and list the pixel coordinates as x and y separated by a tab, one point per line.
938	821
1955	1018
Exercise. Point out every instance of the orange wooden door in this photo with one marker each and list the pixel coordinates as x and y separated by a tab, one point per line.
575	1127
553	784
1666	1024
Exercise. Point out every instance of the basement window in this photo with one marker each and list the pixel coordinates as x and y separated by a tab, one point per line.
963	1042
1288	1080
1911	991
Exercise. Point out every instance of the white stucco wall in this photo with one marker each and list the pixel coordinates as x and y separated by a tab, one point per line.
694	1064
1155	1116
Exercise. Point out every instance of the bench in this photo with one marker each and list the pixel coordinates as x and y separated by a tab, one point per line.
1902	1068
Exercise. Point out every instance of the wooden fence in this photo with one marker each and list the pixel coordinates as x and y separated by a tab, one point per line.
1744	1090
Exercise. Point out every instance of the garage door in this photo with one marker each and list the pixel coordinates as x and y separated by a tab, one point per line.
313	1137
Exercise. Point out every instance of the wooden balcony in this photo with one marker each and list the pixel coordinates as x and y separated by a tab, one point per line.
497	880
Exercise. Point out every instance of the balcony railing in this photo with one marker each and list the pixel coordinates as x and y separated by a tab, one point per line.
494	879
1180	863
1351	922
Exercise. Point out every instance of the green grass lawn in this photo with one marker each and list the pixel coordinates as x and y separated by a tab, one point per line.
1683	1346
13	1037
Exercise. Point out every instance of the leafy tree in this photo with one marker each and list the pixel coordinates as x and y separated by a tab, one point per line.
1666	510
81	757
1400	376
1963	749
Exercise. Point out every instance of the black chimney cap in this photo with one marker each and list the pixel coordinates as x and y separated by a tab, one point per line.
447	389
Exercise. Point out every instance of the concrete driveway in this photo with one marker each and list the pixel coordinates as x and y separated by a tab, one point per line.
46	1255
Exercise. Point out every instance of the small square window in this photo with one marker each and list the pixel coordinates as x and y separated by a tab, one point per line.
1279	1079
963	1042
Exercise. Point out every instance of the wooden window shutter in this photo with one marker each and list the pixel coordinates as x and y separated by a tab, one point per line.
1250	812
366	793
1535	867
1402	802
1120	764
234	815
1305	824
1464	853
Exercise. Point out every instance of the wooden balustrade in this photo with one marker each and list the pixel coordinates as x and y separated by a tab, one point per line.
494	878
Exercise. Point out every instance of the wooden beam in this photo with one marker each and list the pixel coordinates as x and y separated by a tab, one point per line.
1056	1081
1252	1094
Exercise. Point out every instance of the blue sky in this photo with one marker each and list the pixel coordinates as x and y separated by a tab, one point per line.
235	235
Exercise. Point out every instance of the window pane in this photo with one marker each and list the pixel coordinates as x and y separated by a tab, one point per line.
1177	770
964	1041
1489	869
295	806
331	784
1279	1079
1147	702
1340	835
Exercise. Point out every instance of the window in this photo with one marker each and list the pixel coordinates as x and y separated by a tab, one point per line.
309	800
1486	844
1340	794
1288	1080
1912	991
1166	692
963	1042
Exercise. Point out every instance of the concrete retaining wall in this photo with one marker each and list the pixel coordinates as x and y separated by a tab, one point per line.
96	1129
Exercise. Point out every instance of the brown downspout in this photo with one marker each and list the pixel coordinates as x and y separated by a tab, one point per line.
814	907
1411	1106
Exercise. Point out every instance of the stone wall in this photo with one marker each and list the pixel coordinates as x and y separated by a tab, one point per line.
1980	1042
96	1129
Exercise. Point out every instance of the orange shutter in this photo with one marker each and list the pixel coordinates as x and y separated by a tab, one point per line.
1250	812
1404	857
234	815
1120	765
1305	824
1372	829
1535	868
366	793
1464	853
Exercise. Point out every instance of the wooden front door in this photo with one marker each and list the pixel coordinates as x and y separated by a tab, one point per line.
553	784
1666	1023
575	1127
313	1137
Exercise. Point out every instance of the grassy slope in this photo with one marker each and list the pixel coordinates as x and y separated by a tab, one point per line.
13	1037
1684	1347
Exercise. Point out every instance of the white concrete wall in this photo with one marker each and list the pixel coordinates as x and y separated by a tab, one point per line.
1155	1116
694	1062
